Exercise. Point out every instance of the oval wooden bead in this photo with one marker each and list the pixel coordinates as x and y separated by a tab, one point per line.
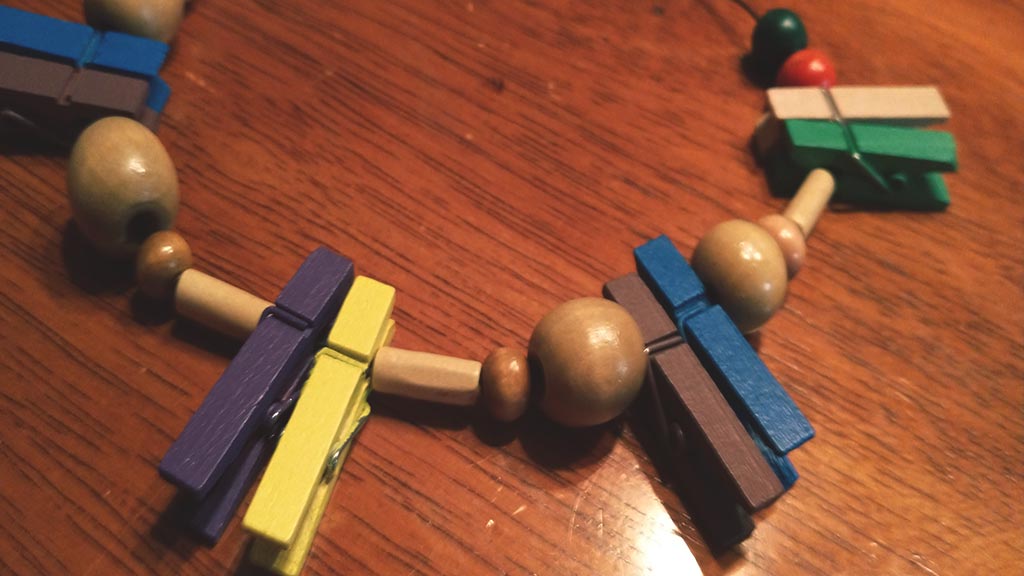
122	185
743	270
505	384
156	19
590	361
161	259
789	237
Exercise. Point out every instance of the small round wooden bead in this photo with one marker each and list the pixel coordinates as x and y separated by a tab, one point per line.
161	259
156	19
505	384
122	185
743	270
778	34
587	356
789	237
807	68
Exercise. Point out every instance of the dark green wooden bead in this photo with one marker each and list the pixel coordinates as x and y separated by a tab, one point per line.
778	34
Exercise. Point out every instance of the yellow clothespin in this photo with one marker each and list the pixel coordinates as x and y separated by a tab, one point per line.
290	500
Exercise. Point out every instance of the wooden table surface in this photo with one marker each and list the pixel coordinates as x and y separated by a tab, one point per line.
491	159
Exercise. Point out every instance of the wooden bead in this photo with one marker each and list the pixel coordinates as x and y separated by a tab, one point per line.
505	384
161	259
217	304
156	19
810	200
589	361
122	185
790	238
777	34
425	376
807	67
743	270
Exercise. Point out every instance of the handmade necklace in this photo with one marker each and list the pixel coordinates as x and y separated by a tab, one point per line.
723	422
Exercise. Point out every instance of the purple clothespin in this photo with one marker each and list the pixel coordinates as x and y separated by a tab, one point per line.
230	436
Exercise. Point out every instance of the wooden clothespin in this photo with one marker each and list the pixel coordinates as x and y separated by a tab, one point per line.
290	500
864	137
699	444
724	422
60	76
225	443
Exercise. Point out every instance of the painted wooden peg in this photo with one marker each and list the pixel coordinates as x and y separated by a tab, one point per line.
691	400
246	404
690	464
764	407
96	74
293	494
900	105
864	137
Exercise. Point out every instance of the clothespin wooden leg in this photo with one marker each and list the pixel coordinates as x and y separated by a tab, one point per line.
290	500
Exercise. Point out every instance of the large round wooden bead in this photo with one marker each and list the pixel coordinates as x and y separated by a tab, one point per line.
161	259
505	384
789	237
588	359
743	270
156	19
122	185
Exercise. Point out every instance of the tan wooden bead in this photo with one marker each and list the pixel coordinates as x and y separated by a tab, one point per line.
156	19
505	384
161	259
122	185
790	238
425	376
590	361
811	199
743	270
217	304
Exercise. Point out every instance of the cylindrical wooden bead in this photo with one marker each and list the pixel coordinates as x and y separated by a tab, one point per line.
789	237
743	270
161	259
122	185
217	304
505	384
156	19
590	361
810	200
425	376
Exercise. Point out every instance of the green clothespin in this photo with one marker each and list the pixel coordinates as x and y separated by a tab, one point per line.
906	158
877	160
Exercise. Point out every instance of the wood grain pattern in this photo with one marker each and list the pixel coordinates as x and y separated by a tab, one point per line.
491	160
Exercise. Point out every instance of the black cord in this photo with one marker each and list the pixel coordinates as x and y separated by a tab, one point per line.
746	7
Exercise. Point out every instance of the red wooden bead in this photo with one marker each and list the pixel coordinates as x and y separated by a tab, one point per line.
807	67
